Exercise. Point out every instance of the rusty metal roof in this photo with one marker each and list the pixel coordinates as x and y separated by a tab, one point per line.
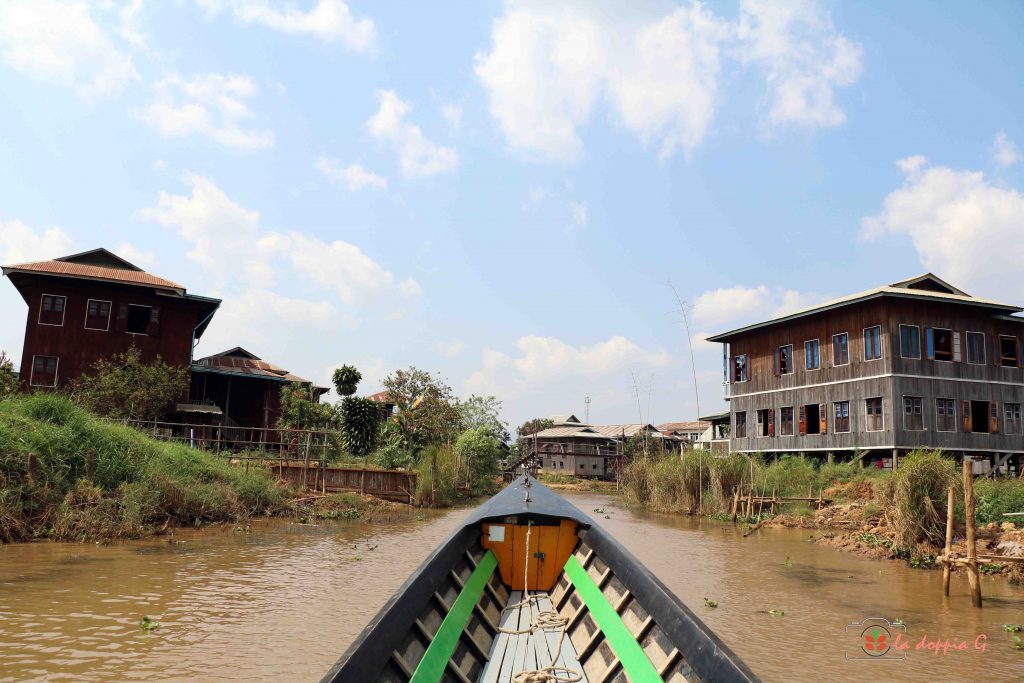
92	272
567	431
684	426
238	361
620	430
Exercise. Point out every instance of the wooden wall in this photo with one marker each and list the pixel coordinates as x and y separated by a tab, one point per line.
78	348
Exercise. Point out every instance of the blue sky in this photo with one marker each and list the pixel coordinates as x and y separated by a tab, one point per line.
500	192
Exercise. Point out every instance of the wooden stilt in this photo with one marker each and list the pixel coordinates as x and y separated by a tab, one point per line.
947	568
773	501
735	503
973	575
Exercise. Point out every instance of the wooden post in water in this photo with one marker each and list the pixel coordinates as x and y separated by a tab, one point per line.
750	501
947	566
735	503
773	501
972	552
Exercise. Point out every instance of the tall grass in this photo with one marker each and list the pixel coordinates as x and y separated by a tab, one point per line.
137	481
915	498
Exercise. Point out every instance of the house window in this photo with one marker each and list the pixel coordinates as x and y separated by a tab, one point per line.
941	344
741	371
910	341
842	416
1007	351
980	417
873	409
786	421
913	413
741	425
138	319
945	415
840	349
765	423
784	360
811	418
976	348
97	315
44	371
873	343
1011	418
51	311
812	356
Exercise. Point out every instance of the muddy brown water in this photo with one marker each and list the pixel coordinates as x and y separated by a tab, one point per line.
284	600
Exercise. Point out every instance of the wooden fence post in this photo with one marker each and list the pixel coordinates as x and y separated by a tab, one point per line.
947	566
972	552
90	464
735	503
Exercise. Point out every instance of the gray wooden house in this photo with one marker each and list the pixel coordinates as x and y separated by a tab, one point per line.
915	364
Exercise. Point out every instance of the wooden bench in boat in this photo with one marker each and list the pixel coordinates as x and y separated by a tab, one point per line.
512	653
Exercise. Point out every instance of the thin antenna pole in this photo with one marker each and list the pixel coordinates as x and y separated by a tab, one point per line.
683	306
586	401
639	409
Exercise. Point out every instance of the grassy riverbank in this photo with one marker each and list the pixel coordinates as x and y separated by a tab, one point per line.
138	484
899	514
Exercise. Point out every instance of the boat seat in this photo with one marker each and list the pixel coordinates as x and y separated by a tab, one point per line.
513	653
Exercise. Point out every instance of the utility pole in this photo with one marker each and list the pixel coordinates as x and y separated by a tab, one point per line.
586	418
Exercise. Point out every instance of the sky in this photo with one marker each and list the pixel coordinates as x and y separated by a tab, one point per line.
506	193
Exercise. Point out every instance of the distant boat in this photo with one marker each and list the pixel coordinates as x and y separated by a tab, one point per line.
528	586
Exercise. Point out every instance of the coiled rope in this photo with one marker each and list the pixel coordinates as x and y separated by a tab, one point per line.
545	620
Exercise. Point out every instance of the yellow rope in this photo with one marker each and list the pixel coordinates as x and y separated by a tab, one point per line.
545	620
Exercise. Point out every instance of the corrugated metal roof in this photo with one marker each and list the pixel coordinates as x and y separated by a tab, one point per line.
615	431
569	431
903	289
238	361
683	426
79	270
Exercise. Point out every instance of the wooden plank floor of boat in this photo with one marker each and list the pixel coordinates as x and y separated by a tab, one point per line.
512	653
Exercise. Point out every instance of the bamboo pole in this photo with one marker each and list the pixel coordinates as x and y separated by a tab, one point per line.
972	552
947	568
735	503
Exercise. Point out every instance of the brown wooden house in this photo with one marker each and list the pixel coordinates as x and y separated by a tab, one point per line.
916	364
91	305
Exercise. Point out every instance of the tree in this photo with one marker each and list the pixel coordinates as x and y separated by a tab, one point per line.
360	425
346	379
479	454
533	426
123	387
301	410
427	410
8	382
480	411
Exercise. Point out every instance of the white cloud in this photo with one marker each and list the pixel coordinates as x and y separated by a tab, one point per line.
656	66
548	362
60	43
353	176
129	252
803	57
209	104
21	244
449	349
221	231
1004	150
965	229
748	304
579	213
328	20
255	316
417	155
130	29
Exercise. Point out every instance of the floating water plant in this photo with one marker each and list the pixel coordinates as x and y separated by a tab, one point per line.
788	562
147	624
710	603
1013	628
776	612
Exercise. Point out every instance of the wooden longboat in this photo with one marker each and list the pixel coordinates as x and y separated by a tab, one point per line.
470	612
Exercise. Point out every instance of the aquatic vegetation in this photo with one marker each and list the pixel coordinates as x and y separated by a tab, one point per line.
776	612
1013	628
710	603
147	624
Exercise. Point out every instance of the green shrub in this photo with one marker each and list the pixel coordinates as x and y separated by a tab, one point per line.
995	496
435	477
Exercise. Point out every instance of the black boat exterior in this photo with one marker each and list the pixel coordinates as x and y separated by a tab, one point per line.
395	640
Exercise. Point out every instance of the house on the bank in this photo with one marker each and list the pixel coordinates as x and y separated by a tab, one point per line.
571	447
915	364
685	433
92	305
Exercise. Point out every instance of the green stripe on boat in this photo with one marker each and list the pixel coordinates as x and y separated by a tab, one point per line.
435	659
634	661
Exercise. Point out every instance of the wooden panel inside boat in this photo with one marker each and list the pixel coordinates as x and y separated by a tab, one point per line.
589	608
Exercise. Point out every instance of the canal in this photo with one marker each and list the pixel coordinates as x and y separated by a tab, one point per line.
281	601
